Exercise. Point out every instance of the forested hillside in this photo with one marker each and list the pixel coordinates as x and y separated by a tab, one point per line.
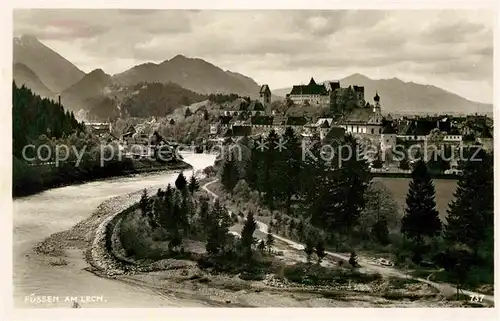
33	116
156	99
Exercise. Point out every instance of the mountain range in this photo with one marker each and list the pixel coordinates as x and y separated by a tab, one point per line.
25	76
191	73
55	72
48	73
399	97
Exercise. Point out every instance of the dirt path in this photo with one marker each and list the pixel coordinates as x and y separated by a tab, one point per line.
444	288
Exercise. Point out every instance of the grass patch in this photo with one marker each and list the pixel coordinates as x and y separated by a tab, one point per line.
233	263
313	274
400	283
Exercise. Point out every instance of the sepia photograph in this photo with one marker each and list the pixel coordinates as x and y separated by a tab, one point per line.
333	158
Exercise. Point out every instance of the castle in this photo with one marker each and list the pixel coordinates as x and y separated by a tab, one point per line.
321	94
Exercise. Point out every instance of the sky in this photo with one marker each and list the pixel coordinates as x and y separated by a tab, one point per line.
451	49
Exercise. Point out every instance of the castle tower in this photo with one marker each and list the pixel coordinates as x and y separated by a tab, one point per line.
265	95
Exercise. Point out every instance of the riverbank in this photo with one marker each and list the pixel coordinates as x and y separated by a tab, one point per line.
50	178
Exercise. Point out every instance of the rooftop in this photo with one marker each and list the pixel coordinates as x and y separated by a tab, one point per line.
335	133
310	89
265	89
262	120
357	116
296	121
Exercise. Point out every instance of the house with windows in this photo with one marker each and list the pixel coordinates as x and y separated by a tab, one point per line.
364	120
323	94
313	94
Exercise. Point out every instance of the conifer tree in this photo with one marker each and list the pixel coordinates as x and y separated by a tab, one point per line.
272	175
312	178
309	249
381	231
193	184
269	240
247	234
320	250
291	165
470	215
145	203
253	164
229	176
218	229
204	214
421	219
262	246
181	182
352	179
353	259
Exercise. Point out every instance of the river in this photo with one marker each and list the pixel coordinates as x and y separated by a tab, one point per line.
38	216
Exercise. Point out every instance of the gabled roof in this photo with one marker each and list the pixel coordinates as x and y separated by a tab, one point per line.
310	89
420	127
296	121
279	120
262	120
332	85
240	131
129	130
335	133
325	124
357	116
320	121
388	129
265	89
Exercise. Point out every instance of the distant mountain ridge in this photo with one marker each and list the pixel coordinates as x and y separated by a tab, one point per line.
191	73
92	84
56	72
24	76
48	73
399	97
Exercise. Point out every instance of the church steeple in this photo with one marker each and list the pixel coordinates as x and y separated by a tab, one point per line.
312	82
376	108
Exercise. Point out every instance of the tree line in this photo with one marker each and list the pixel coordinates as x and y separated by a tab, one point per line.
44	122
33	116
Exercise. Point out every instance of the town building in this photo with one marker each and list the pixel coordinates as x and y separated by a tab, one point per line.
364	120
99	129
316	94
313	94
